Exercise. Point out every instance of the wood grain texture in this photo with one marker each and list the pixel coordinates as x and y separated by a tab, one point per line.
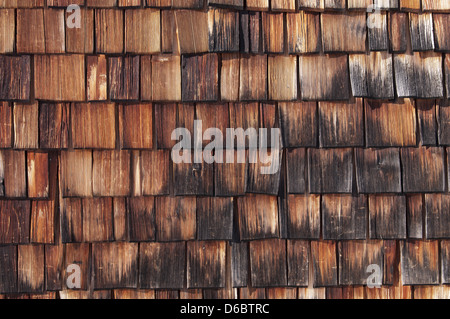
223	30
415	211
282	74
387	217
420	262
437	215
25	117
296	170
93	125
6	116
69	85
166	79
38	175
240	260
54	126
443	118
79	255
142	31
272	32
186	40
193	178
390	124
206	262
341	124
398	31
124	78
303	32
299	123
428	123
421	27
303	216
7	30
268	263
315	72
378	36
324	261
355	257
253	78
158	262
15	222
96	80
111	173
229	77
330	170
42	226
15	77
8	264
136	126
371	75
378	170
115	265
30	268
344	217
14	173
81	40
76	173
109	30
298	256
154	172
344	32
176	218
71	220
257	181
200	78
142	219
258	217
54	259
215	218
419	75
97	220
423	169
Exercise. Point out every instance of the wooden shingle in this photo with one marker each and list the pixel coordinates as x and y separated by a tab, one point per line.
419	75
378	170
437	207
206	264
166	79
253	78
240	264
158	262
71	220
223	30
341	124
299	123
186	40
344	32
124	78
372	75
421	26
200	78
258	217
264	178
355	257
398	34
30	31
42	229
15	222
215	218
97	78
81	40
390	124
282	76
15	77
176	218
303	216
229	78
443	117
428	124
30	268
6	117
54	125
93	125
38	175
8	264
296	169
115	265
420	262
97	219
344	217
315	72
7	30
79	255
14	173
414	218
26	121
142	31
76	173
193	178
109	30
423	169
298	256
378	36
111	173
59	77
268	263
330	170
387	217
303	39
142	221
324	262
272	32
441	29
138	135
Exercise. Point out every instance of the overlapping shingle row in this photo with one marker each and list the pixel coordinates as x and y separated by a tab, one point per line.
87	176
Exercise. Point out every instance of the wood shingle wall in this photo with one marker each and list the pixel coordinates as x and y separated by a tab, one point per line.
87	177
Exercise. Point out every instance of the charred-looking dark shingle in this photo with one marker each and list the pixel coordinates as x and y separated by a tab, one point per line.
420	262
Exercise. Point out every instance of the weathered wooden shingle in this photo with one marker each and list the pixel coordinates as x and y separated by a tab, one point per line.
162	265
341	124
186	40
97	219
258	217
142	220
111	173
372	75
15	222
390	124
296	170
176	218
30	268
302	39
215	218
421	26
330	170
303	216
324	77
414	218
423	169
109	27
142	31
26	125
437	215
253	78
387	217
76	173
344	32
15	74
298	256
344	217
299	123
325	267
428	124
8	264
272	32
268	263
54	126
420	262
354	259
206	264
124	78
282	76
378	170
13	171
223	30
200	78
